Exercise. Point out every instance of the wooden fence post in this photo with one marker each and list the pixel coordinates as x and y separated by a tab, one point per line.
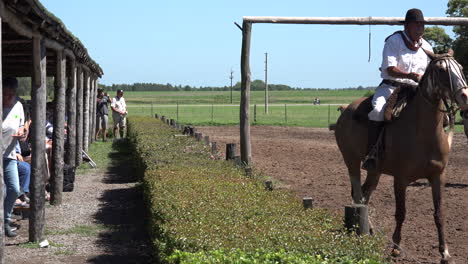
357	217
307	202
214	148
58	133
38	161
231	150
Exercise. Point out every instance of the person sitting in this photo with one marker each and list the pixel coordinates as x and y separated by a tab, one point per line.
403	64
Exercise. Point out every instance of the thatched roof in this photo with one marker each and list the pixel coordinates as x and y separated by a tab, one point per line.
20	20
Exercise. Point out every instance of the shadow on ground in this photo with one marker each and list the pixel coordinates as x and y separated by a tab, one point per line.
122	213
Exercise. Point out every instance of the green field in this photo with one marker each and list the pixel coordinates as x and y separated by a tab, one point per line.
287	108
292	108
257	97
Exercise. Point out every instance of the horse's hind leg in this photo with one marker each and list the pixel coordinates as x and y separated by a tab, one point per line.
400	213
439	218
354	170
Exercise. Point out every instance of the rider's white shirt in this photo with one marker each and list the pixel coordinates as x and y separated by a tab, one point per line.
395	53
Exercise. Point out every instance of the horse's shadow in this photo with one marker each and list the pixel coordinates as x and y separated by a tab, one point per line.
448	185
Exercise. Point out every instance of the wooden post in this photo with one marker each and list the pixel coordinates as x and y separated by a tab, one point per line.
214	148
207	140
2	228
86	95
245	95
177	115
286	113
231	150
38	161
70	154
266	83
357	218
58	133
79	117
328	114
269	185
255	113
307	202
92	104
156	116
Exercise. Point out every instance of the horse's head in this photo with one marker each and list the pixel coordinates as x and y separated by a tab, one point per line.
445	80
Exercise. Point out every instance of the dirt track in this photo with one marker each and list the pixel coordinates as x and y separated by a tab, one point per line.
307	161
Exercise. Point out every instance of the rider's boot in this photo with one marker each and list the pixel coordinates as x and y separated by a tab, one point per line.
374	129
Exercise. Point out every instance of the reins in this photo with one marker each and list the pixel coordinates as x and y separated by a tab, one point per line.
450	107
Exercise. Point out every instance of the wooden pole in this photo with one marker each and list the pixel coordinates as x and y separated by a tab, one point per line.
38	161
285	114
79	116
58	133
2	184
70	154
231	151
307	202
255	113
266	83
86	96
446	21
245	95
357	218
92	103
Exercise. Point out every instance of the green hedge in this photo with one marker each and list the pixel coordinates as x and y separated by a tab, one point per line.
207	211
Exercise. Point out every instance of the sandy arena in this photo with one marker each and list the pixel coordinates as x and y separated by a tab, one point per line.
308	162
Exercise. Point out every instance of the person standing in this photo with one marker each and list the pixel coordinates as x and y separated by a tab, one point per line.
12	130
119	113
404	61
102	101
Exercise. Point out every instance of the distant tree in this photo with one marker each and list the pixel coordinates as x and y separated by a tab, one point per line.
459	8
439	40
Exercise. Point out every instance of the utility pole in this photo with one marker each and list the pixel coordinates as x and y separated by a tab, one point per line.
266	83
231	77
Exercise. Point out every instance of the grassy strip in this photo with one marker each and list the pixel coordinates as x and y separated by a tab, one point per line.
208	211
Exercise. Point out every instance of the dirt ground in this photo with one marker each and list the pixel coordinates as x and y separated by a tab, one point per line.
101	221
308	162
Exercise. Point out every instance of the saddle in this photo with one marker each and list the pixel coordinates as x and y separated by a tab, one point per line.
400	98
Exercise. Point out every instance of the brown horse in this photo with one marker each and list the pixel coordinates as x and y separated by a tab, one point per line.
415	145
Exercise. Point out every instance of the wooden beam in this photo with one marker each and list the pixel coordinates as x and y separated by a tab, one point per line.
245	95
2	184
86	91
38	162
58	133
446	21
79	116
70	153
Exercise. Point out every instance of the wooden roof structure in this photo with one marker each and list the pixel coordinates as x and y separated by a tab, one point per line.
36	44
25	18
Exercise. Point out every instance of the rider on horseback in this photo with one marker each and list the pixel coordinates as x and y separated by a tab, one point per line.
403	65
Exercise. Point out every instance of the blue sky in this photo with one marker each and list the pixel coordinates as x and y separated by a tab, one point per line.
196	42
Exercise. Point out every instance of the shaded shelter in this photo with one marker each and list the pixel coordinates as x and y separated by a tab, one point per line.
36	44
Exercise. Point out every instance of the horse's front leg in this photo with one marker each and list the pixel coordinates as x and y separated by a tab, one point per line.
369	186
400	213
439	217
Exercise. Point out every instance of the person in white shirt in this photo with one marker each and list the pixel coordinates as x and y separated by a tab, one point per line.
12	130
119	113
404	62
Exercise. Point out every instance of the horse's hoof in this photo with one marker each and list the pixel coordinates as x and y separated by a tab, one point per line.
447	261
396	252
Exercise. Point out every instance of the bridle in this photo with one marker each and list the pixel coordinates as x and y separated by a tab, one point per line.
431	79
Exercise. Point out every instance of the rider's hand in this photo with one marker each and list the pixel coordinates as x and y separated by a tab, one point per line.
415	76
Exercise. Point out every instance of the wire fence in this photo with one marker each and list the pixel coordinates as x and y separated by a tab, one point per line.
309	115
